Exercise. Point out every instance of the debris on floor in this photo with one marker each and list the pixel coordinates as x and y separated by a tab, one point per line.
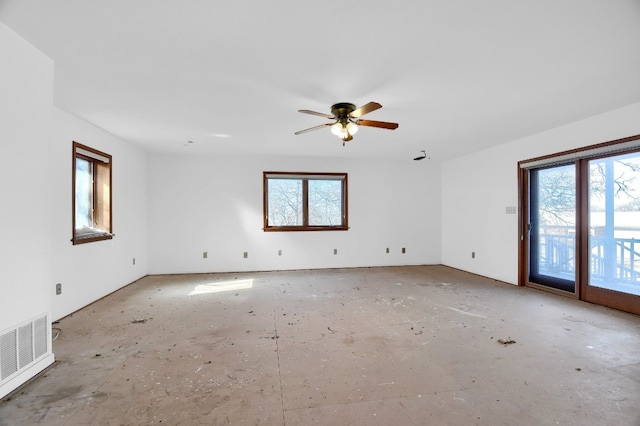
139	321
57	332
166	372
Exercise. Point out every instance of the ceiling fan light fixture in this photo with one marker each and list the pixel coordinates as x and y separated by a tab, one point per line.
341	130
344	130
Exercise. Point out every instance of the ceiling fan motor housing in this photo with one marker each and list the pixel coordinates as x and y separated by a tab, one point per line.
342	110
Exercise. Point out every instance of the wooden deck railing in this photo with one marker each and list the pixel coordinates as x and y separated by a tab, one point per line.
557	257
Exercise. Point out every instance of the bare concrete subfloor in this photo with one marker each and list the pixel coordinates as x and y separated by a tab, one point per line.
369	346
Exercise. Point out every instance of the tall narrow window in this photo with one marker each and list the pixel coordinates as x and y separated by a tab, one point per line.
91	195
305	201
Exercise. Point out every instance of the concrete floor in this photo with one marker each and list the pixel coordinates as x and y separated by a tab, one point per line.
371	346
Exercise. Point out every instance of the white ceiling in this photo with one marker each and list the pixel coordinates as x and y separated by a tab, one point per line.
458	75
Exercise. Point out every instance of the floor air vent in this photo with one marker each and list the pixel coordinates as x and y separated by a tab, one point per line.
21	346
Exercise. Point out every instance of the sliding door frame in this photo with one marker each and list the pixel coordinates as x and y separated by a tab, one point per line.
580	157
524	236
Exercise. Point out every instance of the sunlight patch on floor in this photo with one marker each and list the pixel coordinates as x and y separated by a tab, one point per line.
221	286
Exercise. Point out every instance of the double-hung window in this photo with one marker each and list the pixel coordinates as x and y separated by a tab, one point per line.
91	195
305	201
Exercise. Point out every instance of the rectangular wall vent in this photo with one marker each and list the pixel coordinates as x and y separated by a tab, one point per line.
23	345
8	354
40	336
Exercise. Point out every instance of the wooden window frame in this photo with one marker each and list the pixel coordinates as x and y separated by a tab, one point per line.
102	199
305	177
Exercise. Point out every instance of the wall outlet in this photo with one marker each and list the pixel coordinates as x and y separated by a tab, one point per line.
387	249
279	252
246	254
58	288
473	254
205	254
335	251
510	209
134	261
404	250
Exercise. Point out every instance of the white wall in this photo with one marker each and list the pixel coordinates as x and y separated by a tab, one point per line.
88	272
214	204
26	85
476	189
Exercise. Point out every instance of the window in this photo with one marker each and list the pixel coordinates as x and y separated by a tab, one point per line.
305	201
91	195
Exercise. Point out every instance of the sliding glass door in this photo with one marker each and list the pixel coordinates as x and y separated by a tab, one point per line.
580	223
614	228
552	227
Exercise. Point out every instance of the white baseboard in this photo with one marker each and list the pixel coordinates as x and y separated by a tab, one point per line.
25	375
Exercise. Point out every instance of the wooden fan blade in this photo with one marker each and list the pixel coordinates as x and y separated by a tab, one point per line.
365	109
314	128
380	124
321	114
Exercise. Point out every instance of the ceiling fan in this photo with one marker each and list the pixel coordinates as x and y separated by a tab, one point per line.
347	119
